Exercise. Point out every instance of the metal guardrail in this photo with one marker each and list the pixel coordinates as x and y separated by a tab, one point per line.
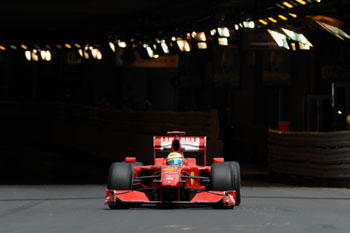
314	154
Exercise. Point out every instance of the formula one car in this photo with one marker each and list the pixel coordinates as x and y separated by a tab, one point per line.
130	183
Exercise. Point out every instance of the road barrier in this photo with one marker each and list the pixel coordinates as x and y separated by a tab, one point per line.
314	154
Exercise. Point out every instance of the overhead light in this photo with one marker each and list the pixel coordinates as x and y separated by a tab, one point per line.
223	32
165	47
302	2
223	41
48	55
287	4
333	30
183	45
13	46
94	53
80	51
2	48
86	55
24	47
279	38
35	56
121	44
329	20
263	22
77	45
194	34
58	46
293	45
173	38
212	32
248	24
273	20
236	27
68	46
202	45
47	46
340	112
293	15
304	46
156	56
318	1
28	55
297	37
283	17
149	51
43	54
99	55
112	46
201	36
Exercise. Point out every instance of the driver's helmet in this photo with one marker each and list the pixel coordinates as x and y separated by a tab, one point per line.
175	158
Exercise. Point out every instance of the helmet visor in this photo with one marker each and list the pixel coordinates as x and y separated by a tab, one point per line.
175	161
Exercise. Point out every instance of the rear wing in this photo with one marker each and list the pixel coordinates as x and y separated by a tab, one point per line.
187	144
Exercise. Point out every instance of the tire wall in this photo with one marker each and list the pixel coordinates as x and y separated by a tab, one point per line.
315	154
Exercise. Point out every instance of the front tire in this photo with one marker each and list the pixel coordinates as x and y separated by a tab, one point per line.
221	180
236	180
221	177
120	178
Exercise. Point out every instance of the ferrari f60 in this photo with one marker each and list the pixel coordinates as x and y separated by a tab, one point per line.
130	183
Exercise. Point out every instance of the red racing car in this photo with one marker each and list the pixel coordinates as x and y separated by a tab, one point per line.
130	183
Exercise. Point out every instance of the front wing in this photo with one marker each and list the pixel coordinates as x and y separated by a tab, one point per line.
203	198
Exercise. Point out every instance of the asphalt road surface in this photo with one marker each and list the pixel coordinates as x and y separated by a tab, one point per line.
80	208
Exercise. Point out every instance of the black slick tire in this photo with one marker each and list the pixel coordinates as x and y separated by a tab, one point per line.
221	177
120	178
221	180
236	180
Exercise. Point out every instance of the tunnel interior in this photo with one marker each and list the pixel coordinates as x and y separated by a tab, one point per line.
82	90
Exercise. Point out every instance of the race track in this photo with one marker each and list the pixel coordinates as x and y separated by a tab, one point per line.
79	208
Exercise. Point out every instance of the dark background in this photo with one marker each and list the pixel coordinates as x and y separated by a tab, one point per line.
65	122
